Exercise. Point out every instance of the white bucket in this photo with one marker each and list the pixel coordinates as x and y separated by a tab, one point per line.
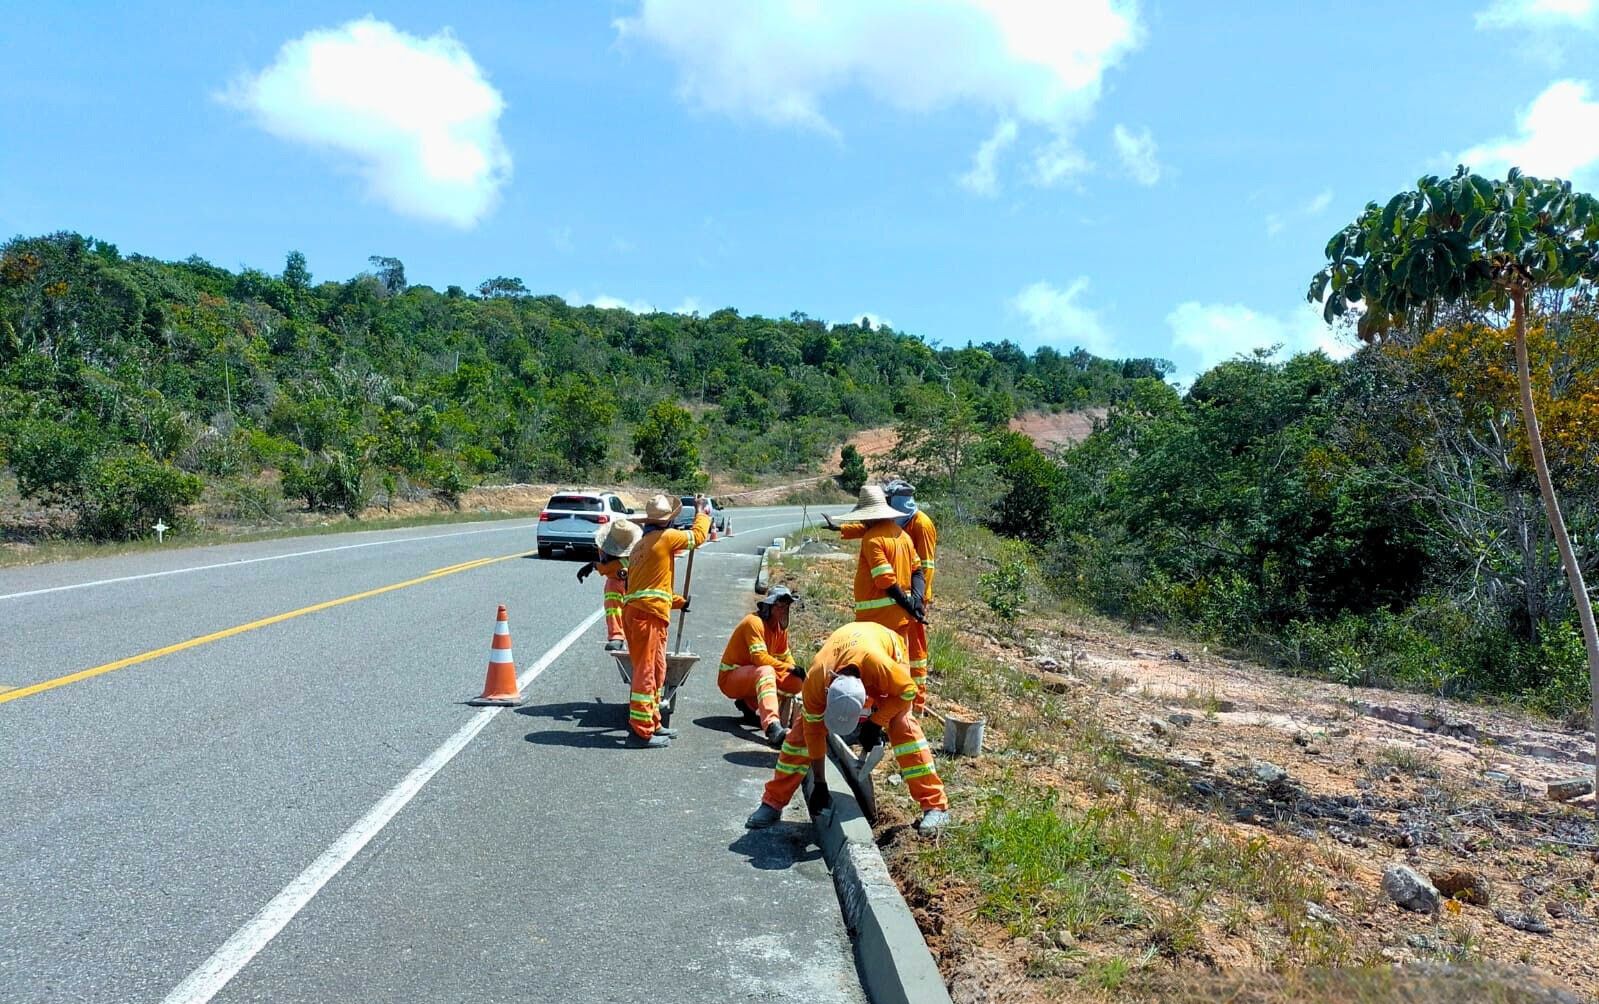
963	736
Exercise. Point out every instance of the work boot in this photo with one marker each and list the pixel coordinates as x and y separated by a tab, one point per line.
932	822
775	733
762	817
614	645
662	730
746	712
655	742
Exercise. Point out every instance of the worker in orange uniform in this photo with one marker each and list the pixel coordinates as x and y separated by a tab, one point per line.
613	543
901	496
860	662
888	574
756	665
647	611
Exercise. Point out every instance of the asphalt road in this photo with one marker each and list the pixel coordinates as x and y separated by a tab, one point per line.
305	810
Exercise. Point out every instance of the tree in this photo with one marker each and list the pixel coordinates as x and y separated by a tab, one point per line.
1467	241
580	420
295	275
852	469
667	443
391	273
938	447
501	286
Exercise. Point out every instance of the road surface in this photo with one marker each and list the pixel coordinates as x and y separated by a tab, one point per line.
246	773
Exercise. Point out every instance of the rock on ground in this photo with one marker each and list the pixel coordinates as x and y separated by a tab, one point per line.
1409	889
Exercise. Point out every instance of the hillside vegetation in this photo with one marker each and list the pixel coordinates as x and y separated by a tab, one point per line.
130	386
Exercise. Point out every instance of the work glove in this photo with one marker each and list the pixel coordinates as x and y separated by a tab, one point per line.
797	672
684	606
907	604
819	800
870	735
584	572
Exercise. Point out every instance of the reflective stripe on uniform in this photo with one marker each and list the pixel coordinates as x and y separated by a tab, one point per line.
757	646
725	668
799	751
886	601
640	716
880	570
813	719
910	692
650	594
929	564
906	749
918	663
793	768
638	698
920	770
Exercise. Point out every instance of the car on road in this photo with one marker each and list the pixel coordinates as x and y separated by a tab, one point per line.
570	520
685	515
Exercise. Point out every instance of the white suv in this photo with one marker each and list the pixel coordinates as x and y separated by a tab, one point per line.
570	520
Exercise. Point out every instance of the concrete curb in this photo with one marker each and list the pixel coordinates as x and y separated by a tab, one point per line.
895	964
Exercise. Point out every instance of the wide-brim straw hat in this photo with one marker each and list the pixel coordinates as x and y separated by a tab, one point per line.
662	509
871	505
617	540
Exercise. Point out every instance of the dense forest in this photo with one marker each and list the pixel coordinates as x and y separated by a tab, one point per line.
128	385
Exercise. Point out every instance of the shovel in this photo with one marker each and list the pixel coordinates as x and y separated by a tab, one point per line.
857	771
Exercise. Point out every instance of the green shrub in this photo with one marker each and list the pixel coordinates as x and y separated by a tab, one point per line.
1002	587
333	482
124	493
852	469
448	481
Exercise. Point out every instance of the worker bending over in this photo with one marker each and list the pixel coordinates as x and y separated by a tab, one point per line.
756	665
613	543
647	611
859	662
901	496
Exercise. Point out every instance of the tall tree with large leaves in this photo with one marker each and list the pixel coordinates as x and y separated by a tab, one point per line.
1468	241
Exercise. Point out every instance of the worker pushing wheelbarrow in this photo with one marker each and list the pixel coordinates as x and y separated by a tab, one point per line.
647	555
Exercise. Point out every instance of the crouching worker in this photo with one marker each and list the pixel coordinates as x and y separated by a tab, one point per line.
860	662
756	665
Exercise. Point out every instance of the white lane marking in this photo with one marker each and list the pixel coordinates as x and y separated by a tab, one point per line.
252	561
224	964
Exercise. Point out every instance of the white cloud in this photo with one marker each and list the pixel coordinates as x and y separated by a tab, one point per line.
1137	151
415	116
1276	223
1539	14
690	305
1556	135
876	322
983	177
1028	61
1204	334
1059	317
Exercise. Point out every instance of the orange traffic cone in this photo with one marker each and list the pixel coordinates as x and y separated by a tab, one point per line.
499	687
713	532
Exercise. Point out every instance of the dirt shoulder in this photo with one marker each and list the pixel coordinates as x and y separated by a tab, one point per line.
1151	821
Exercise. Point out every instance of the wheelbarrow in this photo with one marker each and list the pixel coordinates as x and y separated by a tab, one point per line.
678	662
678	665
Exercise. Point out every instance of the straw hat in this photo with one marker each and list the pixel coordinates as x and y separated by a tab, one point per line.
617	539
662	508
871	505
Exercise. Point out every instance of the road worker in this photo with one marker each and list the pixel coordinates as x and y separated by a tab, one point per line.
888	574
756	665
901	495
647	611
859	663
613	543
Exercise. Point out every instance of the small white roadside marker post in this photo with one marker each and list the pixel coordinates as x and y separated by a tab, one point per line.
160	529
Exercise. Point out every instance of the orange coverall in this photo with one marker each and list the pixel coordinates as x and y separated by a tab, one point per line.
879	655
755	666
646	612
924	535
615	572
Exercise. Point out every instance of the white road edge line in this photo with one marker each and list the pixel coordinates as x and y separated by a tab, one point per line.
520	525
226	963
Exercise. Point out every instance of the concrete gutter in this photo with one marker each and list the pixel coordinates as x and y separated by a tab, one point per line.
895	964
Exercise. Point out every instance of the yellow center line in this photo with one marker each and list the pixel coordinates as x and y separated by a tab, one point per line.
134	660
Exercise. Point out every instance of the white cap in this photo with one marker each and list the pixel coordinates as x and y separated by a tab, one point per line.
846	696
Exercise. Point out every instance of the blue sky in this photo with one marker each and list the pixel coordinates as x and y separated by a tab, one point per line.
1142	179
